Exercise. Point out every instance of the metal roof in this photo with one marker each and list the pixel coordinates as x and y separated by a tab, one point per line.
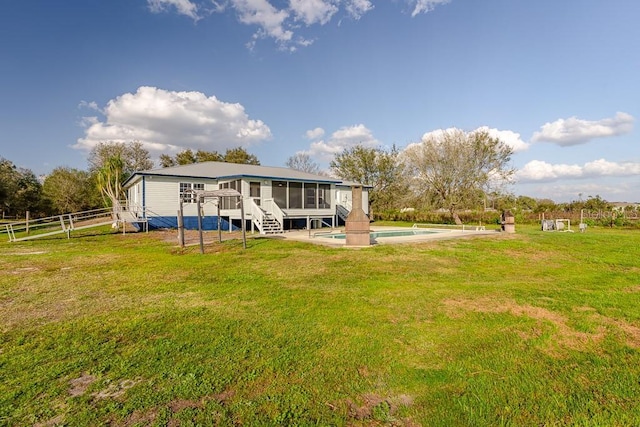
223	170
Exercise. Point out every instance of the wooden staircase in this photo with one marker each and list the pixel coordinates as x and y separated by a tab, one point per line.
342	212
270	225
128	217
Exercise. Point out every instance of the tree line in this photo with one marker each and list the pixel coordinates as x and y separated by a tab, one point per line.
451	172
68	189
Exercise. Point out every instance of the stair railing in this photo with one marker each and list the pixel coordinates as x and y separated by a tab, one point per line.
343	211
257	215
272	207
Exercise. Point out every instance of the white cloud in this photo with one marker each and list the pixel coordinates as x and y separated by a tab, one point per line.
86	122
281	20
315	133
424	6
169	121
90	105
313	11
263	14
183	7
602	167
436	134
538	170
574	131
343	138
357	8
510	138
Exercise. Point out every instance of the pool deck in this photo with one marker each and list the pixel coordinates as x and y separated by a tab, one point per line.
314	236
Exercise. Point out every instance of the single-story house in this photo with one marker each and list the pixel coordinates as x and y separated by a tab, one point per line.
275	199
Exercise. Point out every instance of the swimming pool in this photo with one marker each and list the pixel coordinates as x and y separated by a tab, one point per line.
387	233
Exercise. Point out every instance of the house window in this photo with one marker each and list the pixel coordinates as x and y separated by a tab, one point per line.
185	191
234	185
295	195
279	191
324	196
230	202
310	196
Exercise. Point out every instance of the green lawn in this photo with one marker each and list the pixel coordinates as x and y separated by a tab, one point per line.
527	329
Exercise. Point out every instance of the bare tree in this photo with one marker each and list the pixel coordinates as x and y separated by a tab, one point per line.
455	169
137	158
302	162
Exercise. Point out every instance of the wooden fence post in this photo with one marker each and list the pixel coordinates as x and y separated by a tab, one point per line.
180	227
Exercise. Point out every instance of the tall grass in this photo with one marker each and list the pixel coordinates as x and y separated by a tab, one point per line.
528	329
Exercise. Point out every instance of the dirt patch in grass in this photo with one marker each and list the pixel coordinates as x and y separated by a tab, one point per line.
371	409
223	397
141	418
149	416
58	420
631	332
78	386
24	270
180	404
116	389
565	335
26	253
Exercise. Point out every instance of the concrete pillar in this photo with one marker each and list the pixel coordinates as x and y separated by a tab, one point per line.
508	222
357	223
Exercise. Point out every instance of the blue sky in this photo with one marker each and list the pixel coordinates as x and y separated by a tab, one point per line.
557	80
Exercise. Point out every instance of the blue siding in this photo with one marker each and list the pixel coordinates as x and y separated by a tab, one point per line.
190	223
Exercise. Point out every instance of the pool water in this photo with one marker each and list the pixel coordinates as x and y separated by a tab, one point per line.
387	233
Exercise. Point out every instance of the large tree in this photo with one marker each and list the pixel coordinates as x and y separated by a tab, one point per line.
70	190
240	155
302	162
20	188
8	183
29	194
111	163
133	155
375	167
188	156
456	169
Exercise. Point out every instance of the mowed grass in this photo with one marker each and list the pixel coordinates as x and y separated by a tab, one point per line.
527	329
